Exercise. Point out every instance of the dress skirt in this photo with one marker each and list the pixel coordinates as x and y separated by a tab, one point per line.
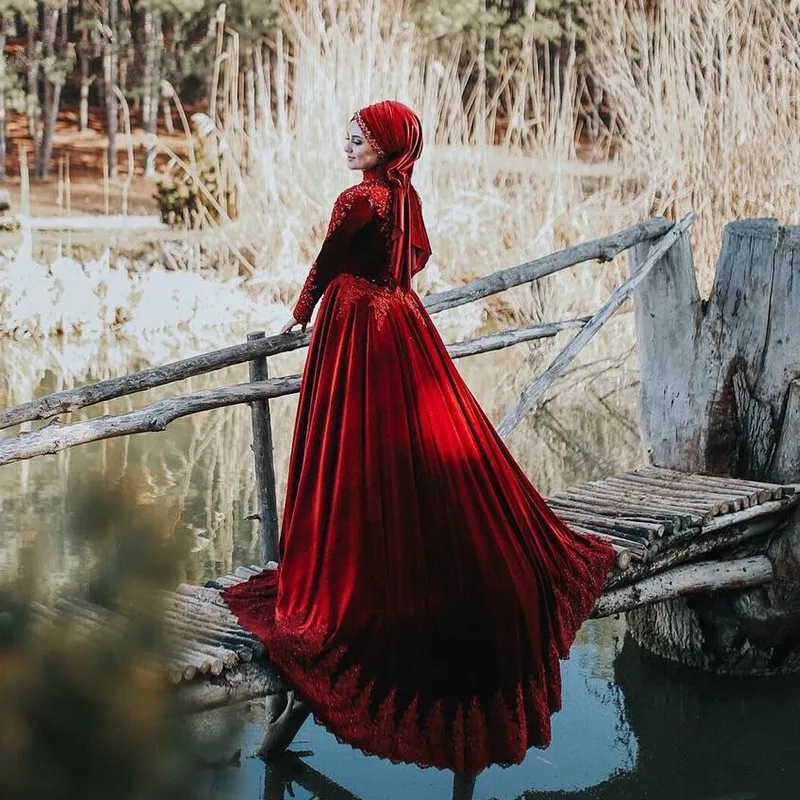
425	591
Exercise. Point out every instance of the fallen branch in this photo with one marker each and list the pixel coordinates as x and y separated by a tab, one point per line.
707	576
603	249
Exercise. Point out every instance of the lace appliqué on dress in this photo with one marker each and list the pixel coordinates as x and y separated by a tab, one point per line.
308	296
354	290
378	195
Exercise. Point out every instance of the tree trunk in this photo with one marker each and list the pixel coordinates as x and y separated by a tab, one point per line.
50	119
250	101
83	112
111	65
152	89
52	85
32	73
720	394
147	72
3	126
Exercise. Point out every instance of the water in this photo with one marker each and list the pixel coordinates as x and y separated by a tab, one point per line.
631	726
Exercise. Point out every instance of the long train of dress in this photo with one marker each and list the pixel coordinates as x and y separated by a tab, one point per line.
425	591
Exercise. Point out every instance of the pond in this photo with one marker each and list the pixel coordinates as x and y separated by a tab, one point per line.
631	726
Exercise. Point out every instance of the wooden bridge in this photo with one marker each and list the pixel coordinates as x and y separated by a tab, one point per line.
675	533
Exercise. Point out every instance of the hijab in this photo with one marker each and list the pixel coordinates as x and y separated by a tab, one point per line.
394	131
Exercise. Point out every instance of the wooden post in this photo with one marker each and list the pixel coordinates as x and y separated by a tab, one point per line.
720	395
265	467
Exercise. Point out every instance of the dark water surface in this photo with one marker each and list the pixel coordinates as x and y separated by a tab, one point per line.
632	726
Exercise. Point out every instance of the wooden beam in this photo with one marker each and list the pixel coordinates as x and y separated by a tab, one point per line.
264	465
245	682
68	400
598	249
540	384
701	544
83	396
56	437
706	576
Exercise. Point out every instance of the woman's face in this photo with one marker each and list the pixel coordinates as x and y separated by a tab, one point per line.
360	154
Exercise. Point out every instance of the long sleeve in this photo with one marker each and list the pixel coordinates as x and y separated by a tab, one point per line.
351	212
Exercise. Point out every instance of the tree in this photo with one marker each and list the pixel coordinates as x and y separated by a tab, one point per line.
56	65
111	72
10	94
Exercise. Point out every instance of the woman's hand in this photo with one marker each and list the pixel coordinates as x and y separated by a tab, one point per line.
291	323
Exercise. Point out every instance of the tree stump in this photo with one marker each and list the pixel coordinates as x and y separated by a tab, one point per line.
720	394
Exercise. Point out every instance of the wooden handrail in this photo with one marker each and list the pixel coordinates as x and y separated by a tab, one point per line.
68	400
539	385
597	249
54	437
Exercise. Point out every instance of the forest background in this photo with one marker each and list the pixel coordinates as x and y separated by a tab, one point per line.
547	123
638	106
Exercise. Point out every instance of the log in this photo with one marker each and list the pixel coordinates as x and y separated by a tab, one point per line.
688	508
718	502
83	396
196	653
764	491
602	509
69	400
238	640
203	594
655	511
708	576
697	547
246	572
603	249
652	497
624	532
508	338
285	715
747	514
245	682
625	550
540	384
200	638
56	437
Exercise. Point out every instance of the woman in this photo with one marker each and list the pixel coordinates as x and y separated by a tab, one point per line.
425	590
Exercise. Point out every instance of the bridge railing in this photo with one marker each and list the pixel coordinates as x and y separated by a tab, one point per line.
55	436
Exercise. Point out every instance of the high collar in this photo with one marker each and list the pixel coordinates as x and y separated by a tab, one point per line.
376	174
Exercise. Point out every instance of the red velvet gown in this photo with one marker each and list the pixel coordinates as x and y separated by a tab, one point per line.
425	591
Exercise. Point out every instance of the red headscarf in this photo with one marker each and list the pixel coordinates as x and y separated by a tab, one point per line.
395	133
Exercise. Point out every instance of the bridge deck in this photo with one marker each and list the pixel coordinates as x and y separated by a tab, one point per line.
658	520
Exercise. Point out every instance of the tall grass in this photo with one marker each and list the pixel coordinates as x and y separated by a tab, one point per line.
486	206
705	106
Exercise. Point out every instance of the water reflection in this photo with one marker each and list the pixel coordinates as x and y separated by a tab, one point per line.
282	773
700	736
633	727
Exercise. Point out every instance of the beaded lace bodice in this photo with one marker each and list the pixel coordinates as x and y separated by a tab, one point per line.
357	241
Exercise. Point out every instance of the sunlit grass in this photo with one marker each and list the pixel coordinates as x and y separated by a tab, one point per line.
705	105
